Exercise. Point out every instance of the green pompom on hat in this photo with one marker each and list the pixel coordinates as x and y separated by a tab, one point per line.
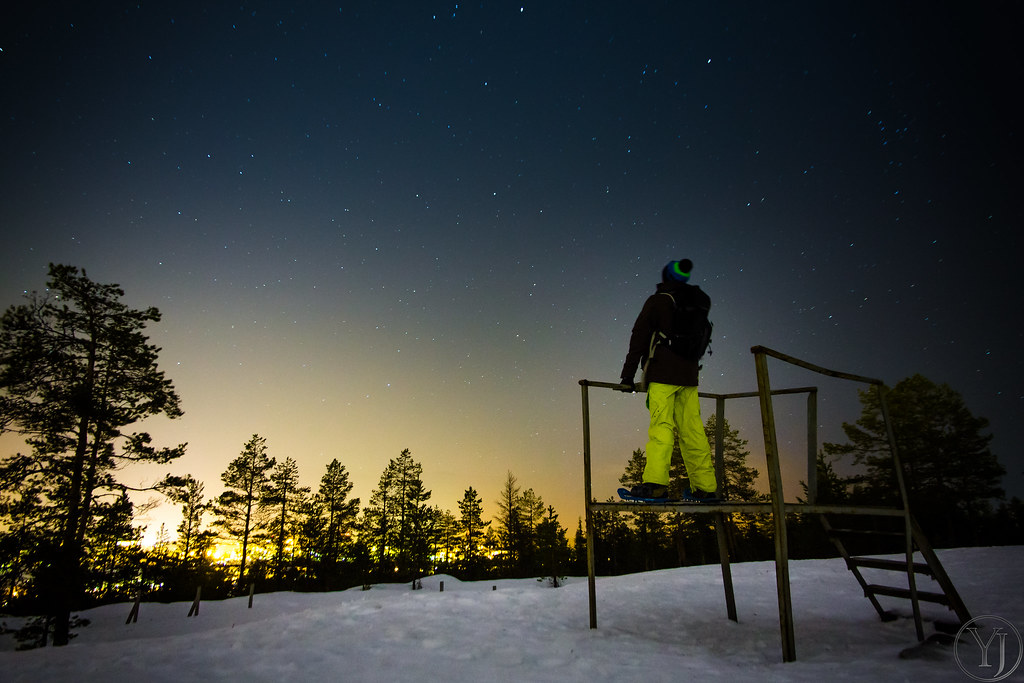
677	271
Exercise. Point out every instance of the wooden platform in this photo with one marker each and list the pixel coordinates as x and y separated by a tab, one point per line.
779	510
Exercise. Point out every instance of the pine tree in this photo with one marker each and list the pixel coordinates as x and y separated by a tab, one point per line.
509	530
398	519
193	506
26	543
448	541
832	488
283	499
429	534
471	529
531	510
75	371
113	547
421	523
579	550
739	477
378	518
335	514
552	546
634	473
950	474
238	507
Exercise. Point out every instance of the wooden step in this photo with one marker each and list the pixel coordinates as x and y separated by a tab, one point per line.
894	592
894	565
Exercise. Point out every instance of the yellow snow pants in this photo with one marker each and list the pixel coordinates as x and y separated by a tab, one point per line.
677	409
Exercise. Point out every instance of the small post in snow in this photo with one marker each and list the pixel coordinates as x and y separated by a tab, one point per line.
194	610
133	615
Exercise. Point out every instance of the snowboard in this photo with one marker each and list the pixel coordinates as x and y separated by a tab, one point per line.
624	494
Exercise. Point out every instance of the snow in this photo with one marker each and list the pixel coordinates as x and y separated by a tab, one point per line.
657	626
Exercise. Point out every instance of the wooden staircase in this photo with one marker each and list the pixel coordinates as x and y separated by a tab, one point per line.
945	594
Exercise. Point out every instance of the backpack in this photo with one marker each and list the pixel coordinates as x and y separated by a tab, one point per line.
690	337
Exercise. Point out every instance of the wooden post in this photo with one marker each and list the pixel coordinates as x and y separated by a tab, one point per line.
720	445
720	519
778	508
812	446
252	589
883	406
442	586
587	493
723	556
133	615
194	610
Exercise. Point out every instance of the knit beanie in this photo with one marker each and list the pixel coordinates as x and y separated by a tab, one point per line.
677	271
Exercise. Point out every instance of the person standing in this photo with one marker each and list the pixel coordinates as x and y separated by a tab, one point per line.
669	337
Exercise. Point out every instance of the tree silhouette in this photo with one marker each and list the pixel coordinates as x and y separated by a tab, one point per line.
398	519
552	546
950	473
193	506
238	507
283	499
113	550
335	519
471	529
76	370
511	535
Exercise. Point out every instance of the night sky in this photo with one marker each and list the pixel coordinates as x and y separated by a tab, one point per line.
376	226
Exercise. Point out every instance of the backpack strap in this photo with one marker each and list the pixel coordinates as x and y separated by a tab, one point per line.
657	337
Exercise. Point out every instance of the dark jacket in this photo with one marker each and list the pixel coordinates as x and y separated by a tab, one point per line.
666	367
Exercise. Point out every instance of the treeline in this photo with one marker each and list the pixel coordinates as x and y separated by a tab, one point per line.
266	528
76	372
284	536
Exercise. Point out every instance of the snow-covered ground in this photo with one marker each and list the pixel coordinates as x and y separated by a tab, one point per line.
658	626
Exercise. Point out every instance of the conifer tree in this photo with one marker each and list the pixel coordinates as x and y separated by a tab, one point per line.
25	542
448	541
113	546
421	524
75	371
335	515
193	506
471	528
579	550
509	530
398	518
950	474
832	488
283	499
740	477
552	546
531	510
238	507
